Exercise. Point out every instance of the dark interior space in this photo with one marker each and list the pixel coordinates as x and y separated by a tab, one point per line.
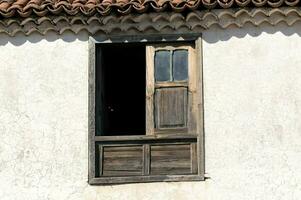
120	90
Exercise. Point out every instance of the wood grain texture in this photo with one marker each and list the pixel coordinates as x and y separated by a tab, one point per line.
122	161
91	109
146	159
140	179
150	89
171	107
200	110
193	92
170	159
146	138
194	159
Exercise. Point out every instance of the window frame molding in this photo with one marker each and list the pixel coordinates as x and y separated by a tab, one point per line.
92	138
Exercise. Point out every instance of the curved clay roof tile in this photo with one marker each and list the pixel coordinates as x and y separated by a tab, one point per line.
193	4
24	8
159	7
292	2
210	4
4	6
242	3
275	3
225	3
41	13
125	10
18	5
24	14
259	3
34	4
107	2
91	4
140	6
122	3
62	3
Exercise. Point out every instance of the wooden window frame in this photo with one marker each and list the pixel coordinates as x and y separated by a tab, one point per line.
195	140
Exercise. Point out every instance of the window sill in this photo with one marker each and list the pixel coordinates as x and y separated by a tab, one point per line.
144	179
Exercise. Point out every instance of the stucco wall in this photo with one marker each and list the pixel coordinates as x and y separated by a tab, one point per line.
252	95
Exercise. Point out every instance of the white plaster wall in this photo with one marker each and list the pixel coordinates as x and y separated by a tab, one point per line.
252	81
252	94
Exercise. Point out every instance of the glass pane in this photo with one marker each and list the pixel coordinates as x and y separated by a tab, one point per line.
180	65
163	65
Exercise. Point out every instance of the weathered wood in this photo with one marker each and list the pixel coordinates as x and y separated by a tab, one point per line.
170	159
157	138
193	92
171	84
171	107
146	159
100	160
200	110
159	156
139	179
91	109
191	98
179	153
150	81
171	131
194	159
122	161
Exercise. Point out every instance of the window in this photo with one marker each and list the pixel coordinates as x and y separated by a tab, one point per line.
145	113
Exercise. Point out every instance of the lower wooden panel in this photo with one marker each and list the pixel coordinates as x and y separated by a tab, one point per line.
167	159
170	159
122	160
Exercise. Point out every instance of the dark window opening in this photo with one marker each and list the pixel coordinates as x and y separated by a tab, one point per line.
120	90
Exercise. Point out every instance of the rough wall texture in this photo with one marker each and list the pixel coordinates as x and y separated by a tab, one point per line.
252	93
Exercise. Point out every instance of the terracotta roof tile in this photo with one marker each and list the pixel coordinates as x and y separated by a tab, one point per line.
140	24
25	8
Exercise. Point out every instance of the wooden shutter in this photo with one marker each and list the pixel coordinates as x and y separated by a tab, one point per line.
171	90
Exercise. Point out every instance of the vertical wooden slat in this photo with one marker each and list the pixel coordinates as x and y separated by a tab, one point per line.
146	159
200	113
193	91
150	82
100	160
193	157
91	109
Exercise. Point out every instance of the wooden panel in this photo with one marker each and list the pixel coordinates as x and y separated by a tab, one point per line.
122	160
170	159
171	107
